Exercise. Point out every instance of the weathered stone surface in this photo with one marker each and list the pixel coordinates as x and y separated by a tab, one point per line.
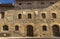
11	18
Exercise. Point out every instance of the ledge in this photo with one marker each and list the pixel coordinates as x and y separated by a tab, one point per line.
6	5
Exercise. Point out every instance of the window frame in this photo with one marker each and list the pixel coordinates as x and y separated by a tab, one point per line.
16	27
29	16
19	16
5	28
44	27
54	15
43	15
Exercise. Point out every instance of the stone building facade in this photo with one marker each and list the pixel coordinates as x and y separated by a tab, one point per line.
30	18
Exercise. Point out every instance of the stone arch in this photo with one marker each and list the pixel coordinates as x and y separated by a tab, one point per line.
30	30
55	29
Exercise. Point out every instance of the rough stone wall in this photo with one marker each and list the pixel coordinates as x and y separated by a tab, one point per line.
11	19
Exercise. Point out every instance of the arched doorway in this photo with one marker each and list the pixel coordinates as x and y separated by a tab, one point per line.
55	30
30	30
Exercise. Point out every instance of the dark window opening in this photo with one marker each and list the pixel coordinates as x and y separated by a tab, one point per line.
29	16
43	15
16	27
2	14
42	3
19	16
28	3
44	28
20	3
5	27
51	2
54	15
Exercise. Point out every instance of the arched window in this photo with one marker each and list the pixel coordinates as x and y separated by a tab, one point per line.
53	15
29	16
5	27
19	16
44	28
16	27
43	15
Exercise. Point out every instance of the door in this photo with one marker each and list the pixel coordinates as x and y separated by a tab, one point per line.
55	30
30	30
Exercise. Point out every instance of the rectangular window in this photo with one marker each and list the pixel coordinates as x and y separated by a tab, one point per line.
29	3
19	16
20	3
51	2
42	3
2	14
16	27
5	27
44	28
43	15
29	16
53	15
